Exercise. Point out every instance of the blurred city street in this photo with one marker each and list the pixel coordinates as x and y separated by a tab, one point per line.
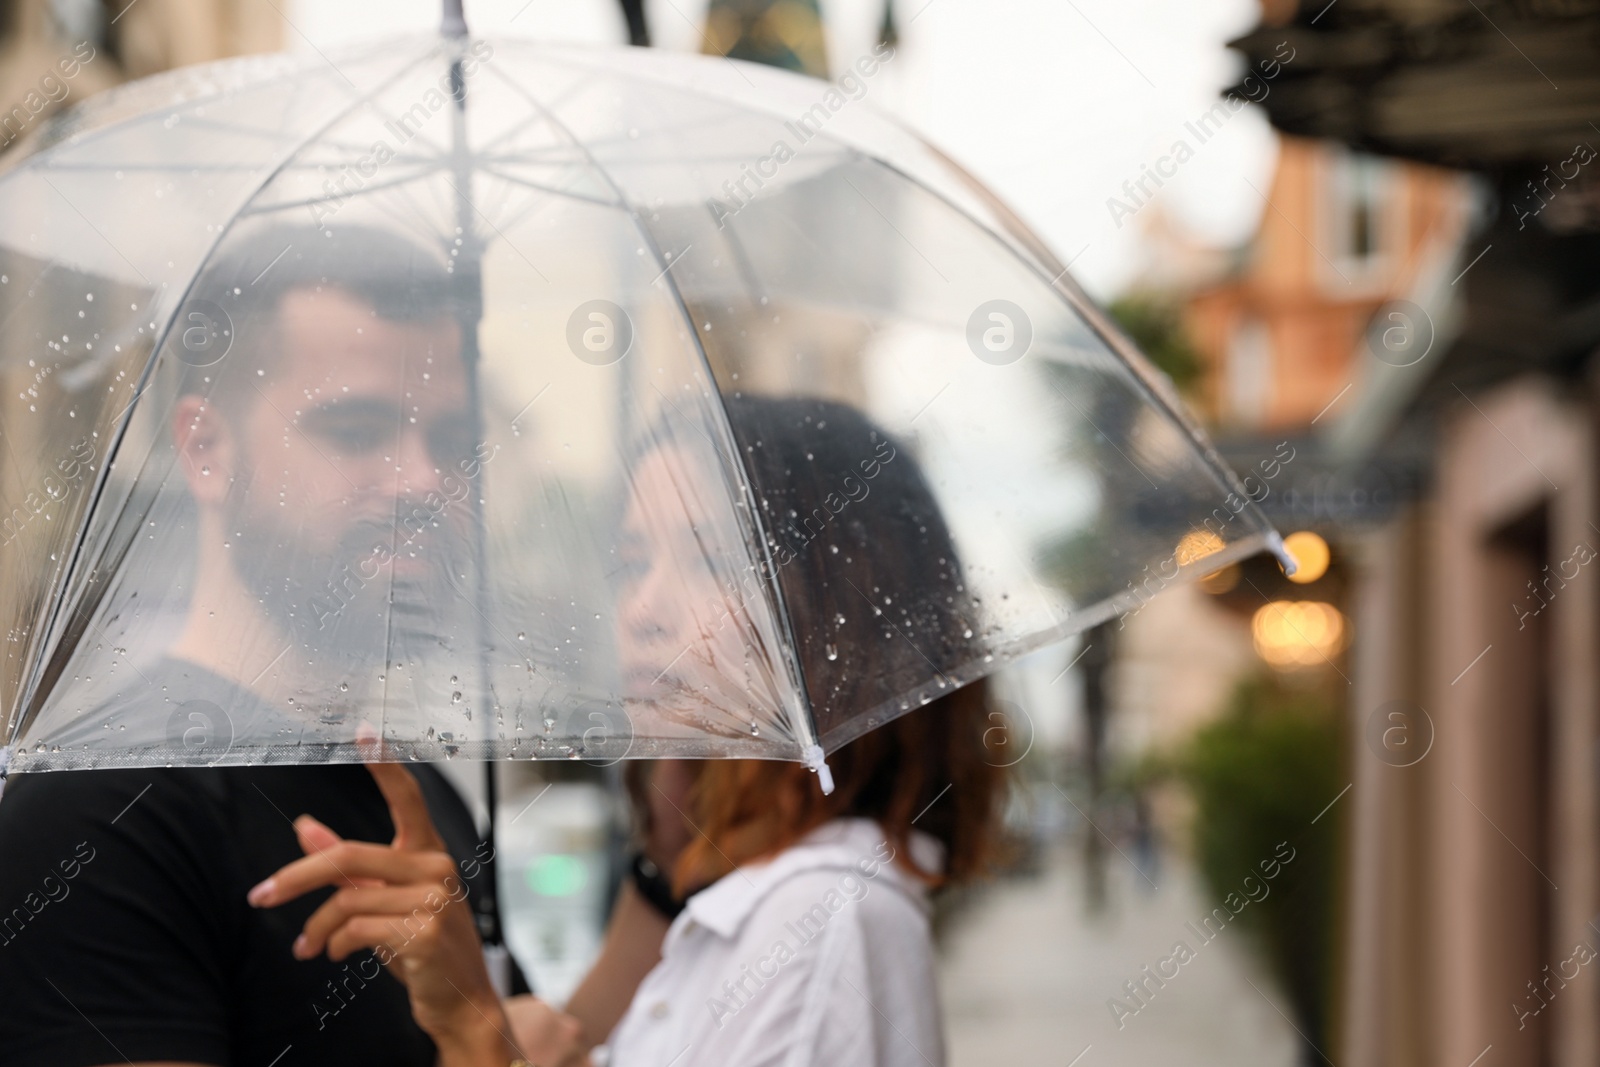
1027	973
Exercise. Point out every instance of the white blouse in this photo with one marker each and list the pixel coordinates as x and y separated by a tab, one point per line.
821	956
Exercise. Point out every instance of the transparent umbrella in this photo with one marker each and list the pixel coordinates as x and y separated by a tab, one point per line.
509	401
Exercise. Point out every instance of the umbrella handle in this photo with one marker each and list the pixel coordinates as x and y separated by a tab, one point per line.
816	760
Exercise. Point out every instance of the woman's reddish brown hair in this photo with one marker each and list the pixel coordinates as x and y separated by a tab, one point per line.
929	770
878	602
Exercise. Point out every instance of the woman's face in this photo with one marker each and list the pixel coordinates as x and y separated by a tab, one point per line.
690	652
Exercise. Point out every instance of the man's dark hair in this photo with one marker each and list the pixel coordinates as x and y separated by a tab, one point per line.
251	272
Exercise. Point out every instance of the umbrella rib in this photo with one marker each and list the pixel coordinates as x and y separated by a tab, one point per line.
552	190
291	76
238	130
285	205
576	87
479	212
536	204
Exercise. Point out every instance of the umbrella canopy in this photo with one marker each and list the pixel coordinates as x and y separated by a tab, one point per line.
513	401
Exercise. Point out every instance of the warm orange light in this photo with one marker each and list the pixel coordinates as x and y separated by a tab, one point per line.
1311	553
1223	581
1298	633
1197	545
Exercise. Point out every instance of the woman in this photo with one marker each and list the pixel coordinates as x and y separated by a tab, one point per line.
805	935
809	942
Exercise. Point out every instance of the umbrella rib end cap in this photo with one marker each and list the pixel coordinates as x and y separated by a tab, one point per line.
817	761
1285	558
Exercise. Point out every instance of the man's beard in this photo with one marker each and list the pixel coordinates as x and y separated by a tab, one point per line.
347	604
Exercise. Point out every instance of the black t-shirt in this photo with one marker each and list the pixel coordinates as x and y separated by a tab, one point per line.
125	933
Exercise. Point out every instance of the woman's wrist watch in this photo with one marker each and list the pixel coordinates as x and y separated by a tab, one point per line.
654	886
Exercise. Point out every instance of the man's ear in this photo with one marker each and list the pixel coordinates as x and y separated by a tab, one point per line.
206	447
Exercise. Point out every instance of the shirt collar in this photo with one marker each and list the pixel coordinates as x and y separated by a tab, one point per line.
852	846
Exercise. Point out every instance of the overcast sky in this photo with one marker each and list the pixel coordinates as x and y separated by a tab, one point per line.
1054	103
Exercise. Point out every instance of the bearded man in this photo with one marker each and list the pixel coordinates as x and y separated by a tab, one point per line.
318	414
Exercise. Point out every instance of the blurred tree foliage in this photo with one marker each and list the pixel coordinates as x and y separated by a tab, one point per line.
1259	775
1156	325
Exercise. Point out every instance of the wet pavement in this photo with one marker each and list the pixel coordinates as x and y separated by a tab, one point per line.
1027	975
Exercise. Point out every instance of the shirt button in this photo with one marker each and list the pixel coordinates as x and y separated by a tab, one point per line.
659	1010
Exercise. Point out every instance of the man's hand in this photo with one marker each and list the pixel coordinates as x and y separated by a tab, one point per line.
407	903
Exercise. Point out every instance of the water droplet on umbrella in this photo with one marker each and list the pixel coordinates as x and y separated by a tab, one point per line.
521	636
838	620
833	653
344	687
755	730
455	698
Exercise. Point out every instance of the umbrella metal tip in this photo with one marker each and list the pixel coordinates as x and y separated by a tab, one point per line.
1286	558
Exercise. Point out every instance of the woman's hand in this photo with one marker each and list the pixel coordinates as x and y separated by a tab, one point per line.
407	903
547	1037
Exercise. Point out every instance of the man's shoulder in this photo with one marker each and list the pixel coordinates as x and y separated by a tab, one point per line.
58	800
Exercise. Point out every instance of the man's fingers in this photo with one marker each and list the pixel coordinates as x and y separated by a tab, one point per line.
349	863
313	836
411	907
413	826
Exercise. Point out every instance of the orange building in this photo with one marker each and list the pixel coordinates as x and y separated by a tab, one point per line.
1341	235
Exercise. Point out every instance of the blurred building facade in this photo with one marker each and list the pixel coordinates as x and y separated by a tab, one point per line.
1279	329
57	53
1472	874
1341	234
126	40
